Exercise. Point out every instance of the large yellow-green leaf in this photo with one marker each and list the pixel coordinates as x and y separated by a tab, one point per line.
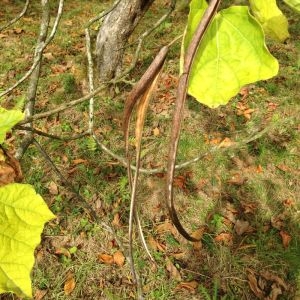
232	53
23	214
8	118
295	4
271	18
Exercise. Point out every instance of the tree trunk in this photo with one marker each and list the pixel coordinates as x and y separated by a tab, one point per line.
113	35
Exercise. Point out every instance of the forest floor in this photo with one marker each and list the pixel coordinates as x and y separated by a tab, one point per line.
244	202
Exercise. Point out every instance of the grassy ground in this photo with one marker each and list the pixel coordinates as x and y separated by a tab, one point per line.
243	201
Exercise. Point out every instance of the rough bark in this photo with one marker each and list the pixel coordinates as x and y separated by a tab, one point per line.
112	37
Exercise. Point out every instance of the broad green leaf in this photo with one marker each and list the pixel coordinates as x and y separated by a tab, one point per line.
271	18
294	4
23	214
231	54
8	118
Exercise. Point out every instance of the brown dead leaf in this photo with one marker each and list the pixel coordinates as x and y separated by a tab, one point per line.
244	92
7	174
283	167
70	283
79	161
18	30
278	221
106	258
272	277
227	142
179	255
165	228
229	213
117	220
241	226
198	235
58	69
156	131
119	258
237	179
225	238
53	188
275	292
187	285
155	245
40	294
63	251
152	243
289	202
49	56
174	273
286	238
2	35
254	286
249	207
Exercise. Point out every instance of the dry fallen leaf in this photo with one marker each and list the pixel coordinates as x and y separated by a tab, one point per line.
49	56
63	251
198	235
117	220
225	238
70	284
40	294
106	259
165	228
174	273
254	286
275	292
53	188
187	285
227	142
241	226
152	243
156	131
237	179
79	161
272	277
286	238
119	258
7	174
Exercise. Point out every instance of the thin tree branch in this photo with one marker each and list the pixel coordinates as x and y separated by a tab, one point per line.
52	136
64	106
102	15
11	22
34	79
39	53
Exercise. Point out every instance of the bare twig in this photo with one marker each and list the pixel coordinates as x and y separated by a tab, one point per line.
90	78
64	106
34	79
39	53
14	20
52	136
102	15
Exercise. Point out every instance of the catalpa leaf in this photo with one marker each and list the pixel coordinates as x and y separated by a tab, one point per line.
294	4
8	118
231	54
273	21
23	214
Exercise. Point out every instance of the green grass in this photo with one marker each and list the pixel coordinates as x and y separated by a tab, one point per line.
219	268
